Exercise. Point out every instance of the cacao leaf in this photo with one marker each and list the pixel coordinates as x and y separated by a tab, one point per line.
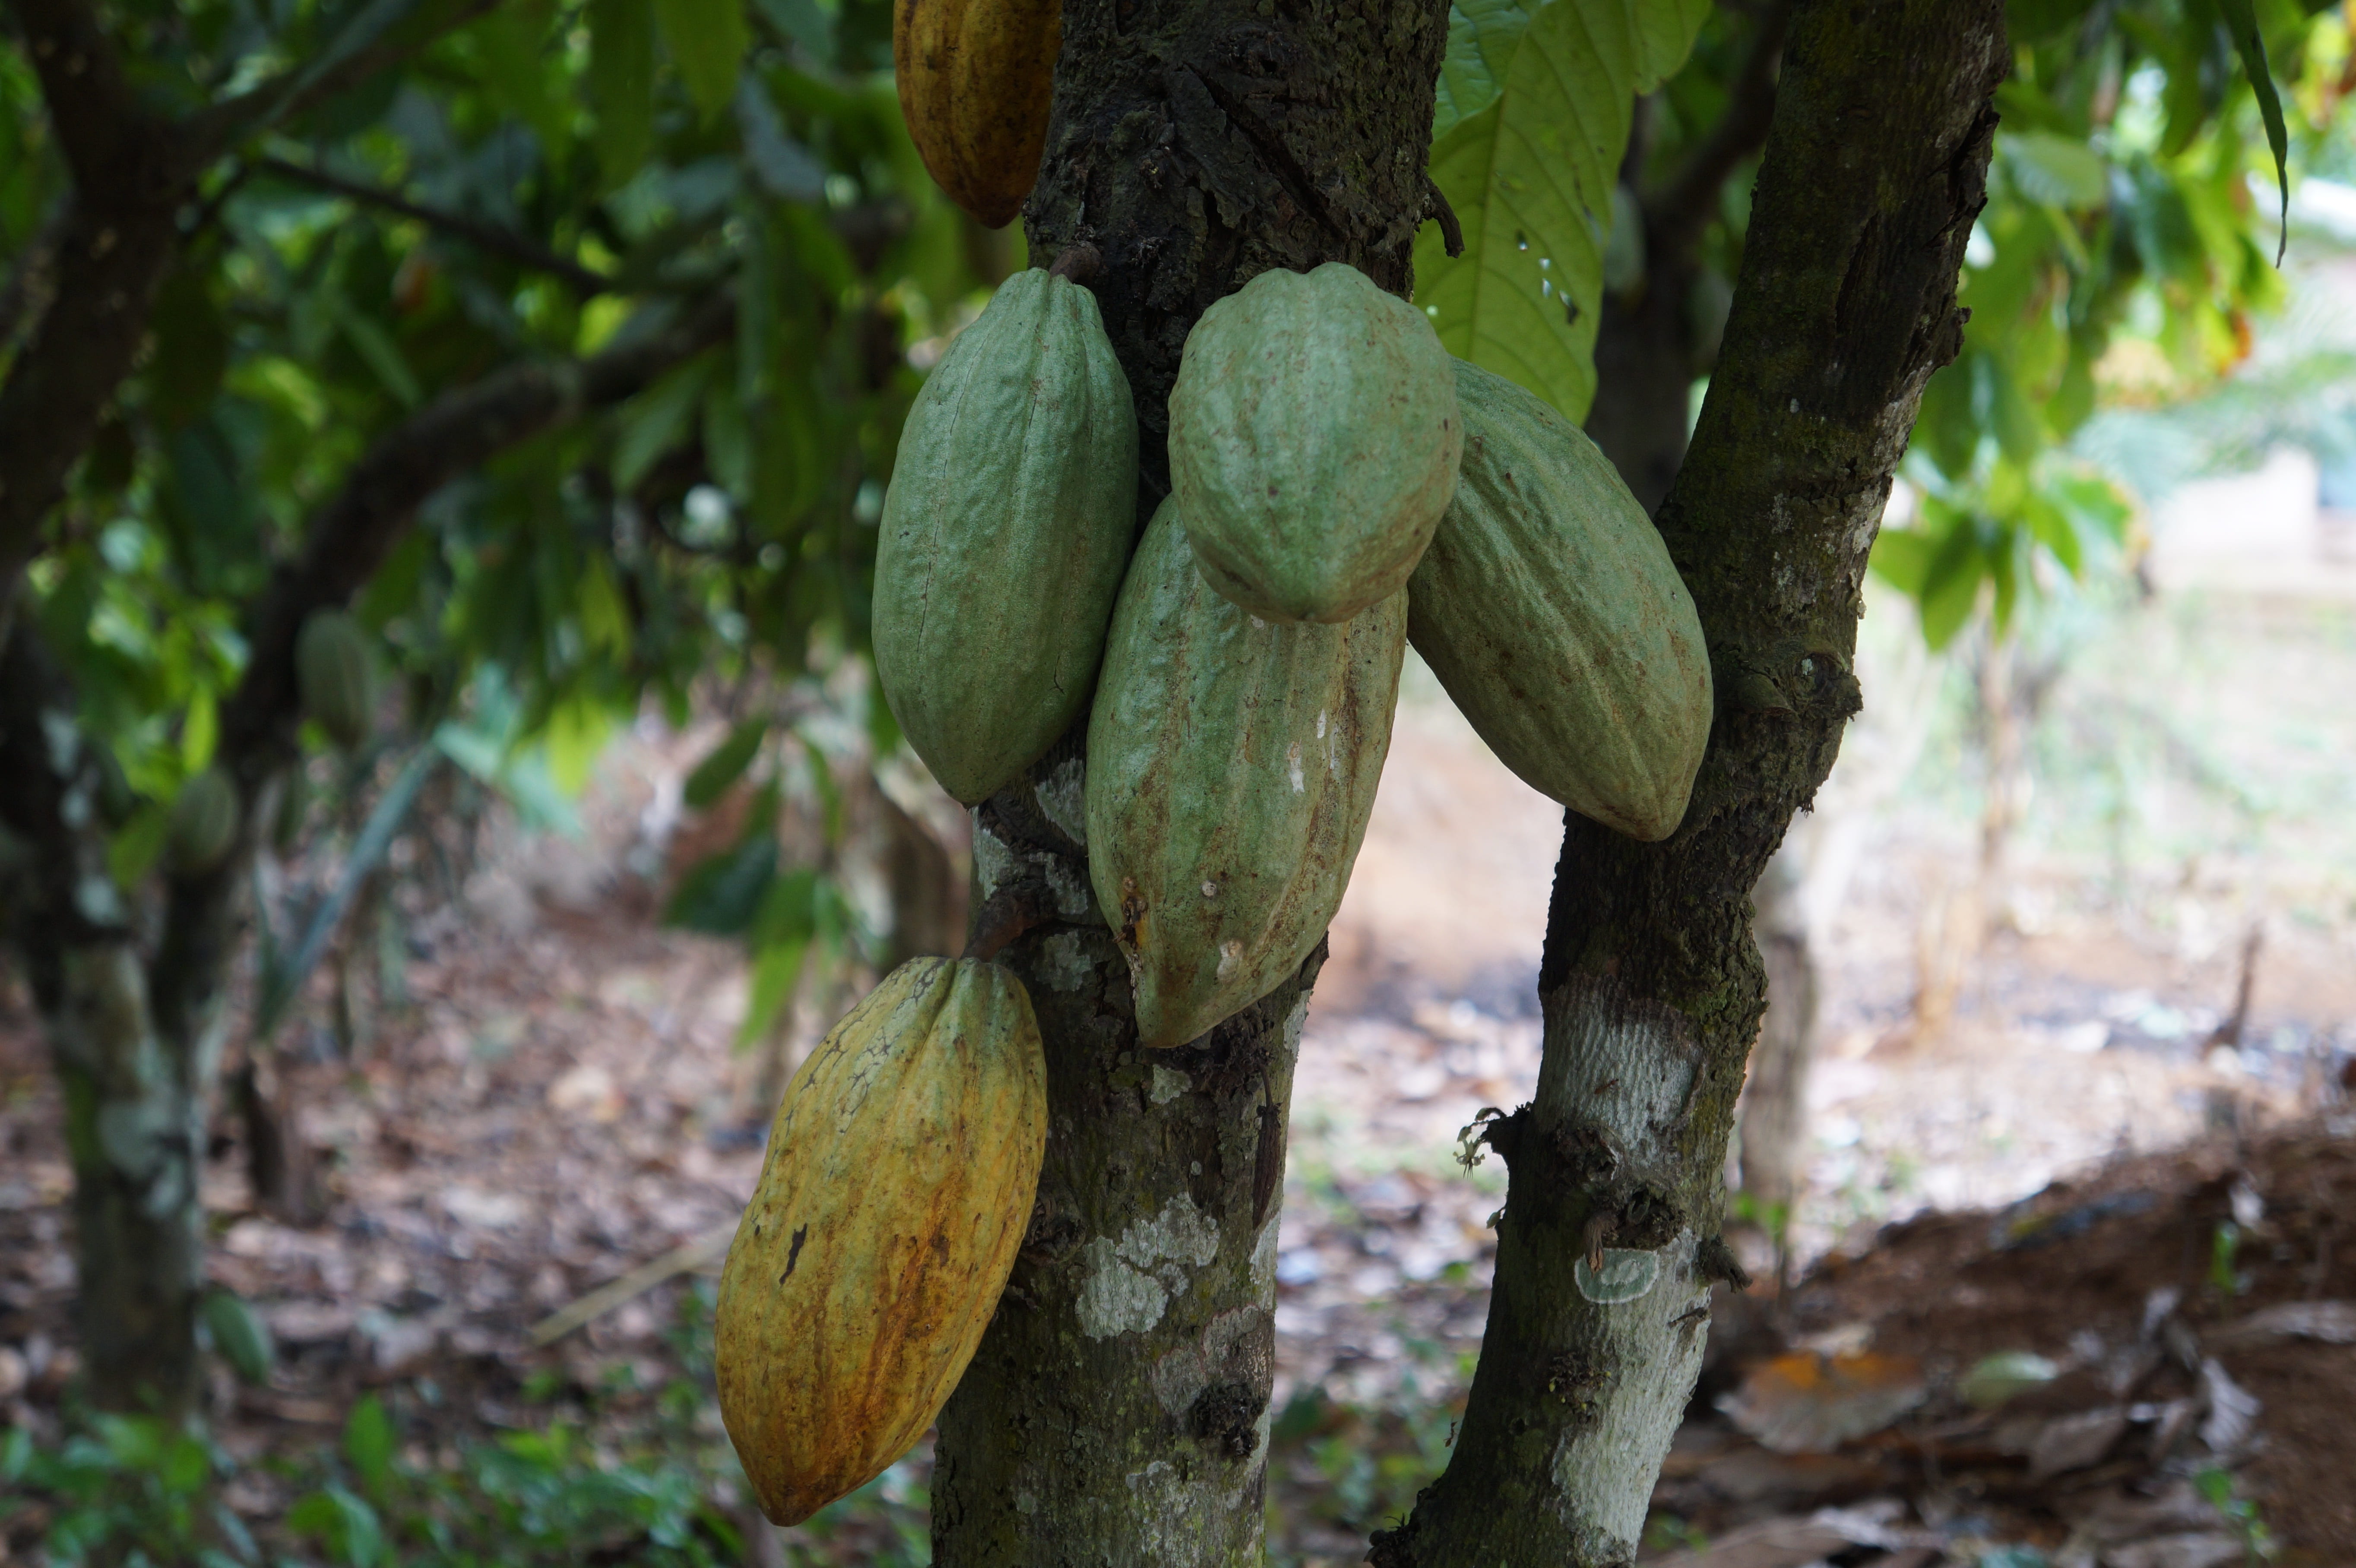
707	40
621	82
1530	178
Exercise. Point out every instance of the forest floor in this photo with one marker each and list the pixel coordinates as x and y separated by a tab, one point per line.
545	1096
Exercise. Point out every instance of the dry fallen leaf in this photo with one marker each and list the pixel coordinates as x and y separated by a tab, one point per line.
1804	1403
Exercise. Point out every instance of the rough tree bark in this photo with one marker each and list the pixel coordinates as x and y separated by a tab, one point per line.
1650	983
1117	1411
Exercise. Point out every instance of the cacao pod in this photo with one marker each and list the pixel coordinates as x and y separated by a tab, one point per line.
1232	764
1007	521
898	1184
1314	442
202	827
336	676
976	81
1548	607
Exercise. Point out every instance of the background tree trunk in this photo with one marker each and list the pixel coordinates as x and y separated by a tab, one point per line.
1117	1411
1651	985
1775	1107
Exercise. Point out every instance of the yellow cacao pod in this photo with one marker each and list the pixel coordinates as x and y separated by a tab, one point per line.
899	1180
976	80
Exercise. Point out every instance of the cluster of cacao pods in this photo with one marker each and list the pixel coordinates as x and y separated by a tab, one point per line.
1341	487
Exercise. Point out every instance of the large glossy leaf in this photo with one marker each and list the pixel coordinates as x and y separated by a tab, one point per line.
1537	102
621	84
707	39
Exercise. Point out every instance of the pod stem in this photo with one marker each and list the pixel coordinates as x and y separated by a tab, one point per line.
1078	264
1005	916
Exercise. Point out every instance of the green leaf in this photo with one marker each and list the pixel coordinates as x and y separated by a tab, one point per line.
707	39
806	25
381	354
1530	178
1666	30
621	81
721	896
1481	39
658	419
239	1335
508	42
575	740
369	1442
191	349
2243	25
1901	557
724	765
775	971
1952	584
2061	170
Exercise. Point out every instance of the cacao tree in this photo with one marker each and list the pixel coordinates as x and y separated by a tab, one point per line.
566	350
545	360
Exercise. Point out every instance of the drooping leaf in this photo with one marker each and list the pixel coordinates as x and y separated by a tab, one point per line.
707	40
2243	23
1530	176
721	896
621	81
724	765
239	1334
369	1443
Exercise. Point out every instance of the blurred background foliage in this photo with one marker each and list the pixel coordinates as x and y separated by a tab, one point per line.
532	182
535	183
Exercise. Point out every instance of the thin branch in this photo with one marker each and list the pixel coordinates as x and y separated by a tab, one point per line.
24	294
348	541
1675	215
99	122
456	432
484	236
361	52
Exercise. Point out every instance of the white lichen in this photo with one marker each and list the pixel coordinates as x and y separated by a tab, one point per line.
1063	797
1168	1086
1064	961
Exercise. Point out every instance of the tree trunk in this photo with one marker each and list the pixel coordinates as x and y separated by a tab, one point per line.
1774	1107
135	1070
1651	985
1117	1411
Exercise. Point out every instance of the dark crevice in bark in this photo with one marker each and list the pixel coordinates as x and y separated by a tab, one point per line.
1117	1411
1651	984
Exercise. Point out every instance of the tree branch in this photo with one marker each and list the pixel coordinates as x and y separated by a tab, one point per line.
348	541
361	52
1675	215
99	123
1650	983
31	279
457	431
484	236
116	242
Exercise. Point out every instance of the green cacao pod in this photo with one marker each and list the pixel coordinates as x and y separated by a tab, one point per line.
898	1184
1009	520
203	825
1548	607
1314	442
1232	764
977	80
336	676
